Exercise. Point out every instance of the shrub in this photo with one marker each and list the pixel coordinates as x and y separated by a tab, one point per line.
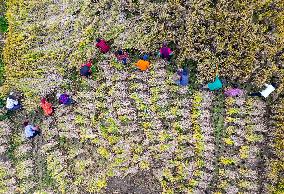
3	24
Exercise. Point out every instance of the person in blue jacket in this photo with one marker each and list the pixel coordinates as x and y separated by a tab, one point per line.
31	131
184	77
64	99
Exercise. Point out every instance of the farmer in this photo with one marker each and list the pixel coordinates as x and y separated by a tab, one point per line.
46	106
143	64
64	99
184	77
12	103
122	56
165	52
216	85
30	130
102	45
85	70
265	93
234	91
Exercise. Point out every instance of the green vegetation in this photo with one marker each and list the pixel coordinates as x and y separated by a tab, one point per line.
3	24
1	72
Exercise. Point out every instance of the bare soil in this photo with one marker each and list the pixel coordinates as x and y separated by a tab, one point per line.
141	183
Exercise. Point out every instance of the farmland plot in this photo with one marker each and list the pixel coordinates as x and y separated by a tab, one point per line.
132	131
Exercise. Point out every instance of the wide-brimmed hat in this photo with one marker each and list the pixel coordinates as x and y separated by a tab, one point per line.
185	71
119	52
85	71
26	123
43	100
145	57
58	95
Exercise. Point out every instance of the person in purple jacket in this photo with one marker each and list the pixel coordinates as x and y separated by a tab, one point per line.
233	91
165	52
64	99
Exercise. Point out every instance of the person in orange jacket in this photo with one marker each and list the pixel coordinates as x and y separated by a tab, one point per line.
46	106
143	64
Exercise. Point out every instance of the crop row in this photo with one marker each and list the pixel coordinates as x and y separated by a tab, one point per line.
275	165
143	122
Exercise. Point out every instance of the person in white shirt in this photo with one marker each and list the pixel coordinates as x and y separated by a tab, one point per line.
30	130
12	103
265	93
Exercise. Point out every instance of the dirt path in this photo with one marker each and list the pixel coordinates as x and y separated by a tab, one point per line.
140	183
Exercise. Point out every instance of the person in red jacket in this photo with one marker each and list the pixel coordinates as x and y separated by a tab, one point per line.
46	106
102	45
